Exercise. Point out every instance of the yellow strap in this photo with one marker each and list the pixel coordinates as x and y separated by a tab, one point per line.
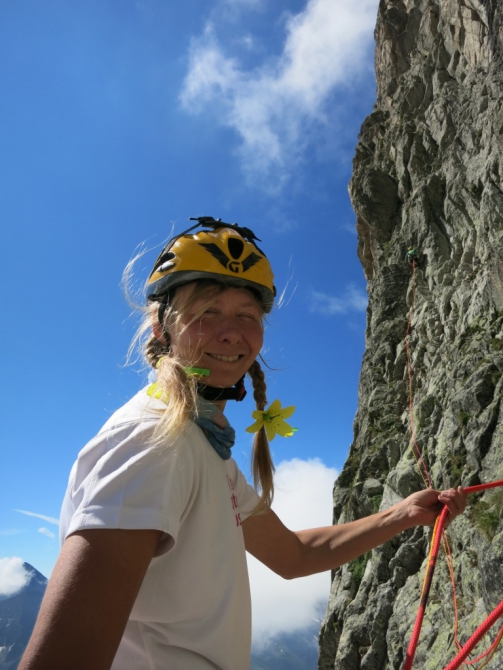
155	392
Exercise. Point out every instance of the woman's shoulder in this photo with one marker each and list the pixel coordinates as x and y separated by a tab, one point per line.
128	431
126	444
141	408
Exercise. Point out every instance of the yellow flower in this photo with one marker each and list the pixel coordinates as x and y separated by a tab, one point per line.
273	420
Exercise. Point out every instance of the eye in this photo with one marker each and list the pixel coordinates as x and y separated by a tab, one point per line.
250	316
211	311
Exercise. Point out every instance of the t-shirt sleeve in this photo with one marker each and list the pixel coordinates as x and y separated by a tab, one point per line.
122	481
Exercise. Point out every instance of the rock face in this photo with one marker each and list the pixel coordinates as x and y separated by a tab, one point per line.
427	174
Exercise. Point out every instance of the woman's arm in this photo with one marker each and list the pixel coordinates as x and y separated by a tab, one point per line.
306	552
89	598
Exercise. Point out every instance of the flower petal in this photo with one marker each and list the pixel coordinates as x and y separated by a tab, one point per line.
284	429
271	432
287	412
255	427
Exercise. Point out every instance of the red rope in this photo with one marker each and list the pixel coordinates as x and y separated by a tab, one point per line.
430	569
483	487
416	451
489	653
476	637
432	559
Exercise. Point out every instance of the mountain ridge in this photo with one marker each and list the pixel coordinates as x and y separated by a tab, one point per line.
18	614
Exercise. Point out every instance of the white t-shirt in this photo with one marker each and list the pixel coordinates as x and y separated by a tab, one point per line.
193	610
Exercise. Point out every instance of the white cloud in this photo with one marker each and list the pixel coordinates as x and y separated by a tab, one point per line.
349	228
355	300
303	499
277	105
49	519
46	532
13	575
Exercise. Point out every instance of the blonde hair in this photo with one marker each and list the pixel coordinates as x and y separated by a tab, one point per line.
179	389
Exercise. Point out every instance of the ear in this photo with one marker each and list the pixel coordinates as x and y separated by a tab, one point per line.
158	334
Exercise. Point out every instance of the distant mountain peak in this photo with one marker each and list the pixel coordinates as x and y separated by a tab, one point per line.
18	614
37	580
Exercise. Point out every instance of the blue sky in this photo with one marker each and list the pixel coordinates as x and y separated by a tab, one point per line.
119	119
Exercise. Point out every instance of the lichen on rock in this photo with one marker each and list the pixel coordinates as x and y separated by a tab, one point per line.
427	173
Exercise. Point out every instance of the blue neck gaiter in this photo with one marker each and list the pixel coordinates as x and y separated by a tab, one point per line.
221	439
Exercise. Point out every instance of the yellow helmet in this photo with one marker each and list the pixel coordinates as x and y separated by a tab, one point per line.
224	252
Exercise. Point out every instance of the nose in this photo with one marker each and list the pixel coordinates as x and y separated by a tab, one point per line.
228	331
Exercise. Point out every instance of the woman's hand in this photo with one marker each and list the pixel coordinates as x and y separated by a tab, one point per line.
423	507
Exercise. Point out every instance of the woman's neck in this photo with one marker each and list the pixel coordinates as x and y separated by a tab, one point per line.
220	405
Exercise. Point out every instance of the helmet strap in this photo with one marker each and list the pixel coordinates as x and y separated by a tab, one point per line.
212	393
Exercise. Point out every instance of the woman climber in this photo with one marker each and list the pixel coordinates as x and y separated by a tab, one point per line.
157	516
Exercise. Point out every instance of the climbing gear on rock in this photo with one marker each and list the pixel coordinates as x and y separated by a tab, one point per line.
412	256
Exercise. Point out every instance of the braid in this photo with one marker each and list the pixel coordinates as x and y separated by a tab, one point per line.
179	389
262	465
154	350
179	395
259	388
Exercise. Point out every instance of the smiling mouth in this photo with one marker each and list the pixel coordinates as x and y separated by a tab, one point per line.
227	359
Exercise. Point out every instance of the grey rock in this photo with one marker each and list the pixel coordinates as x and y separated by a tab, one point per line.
427	173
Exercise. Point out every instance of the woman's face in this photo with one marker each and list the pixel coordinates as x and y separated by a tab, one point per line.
225	338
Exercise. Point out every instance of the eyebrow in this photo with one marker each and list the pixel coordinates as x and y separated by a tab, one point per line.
249	303
252	303
246	305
